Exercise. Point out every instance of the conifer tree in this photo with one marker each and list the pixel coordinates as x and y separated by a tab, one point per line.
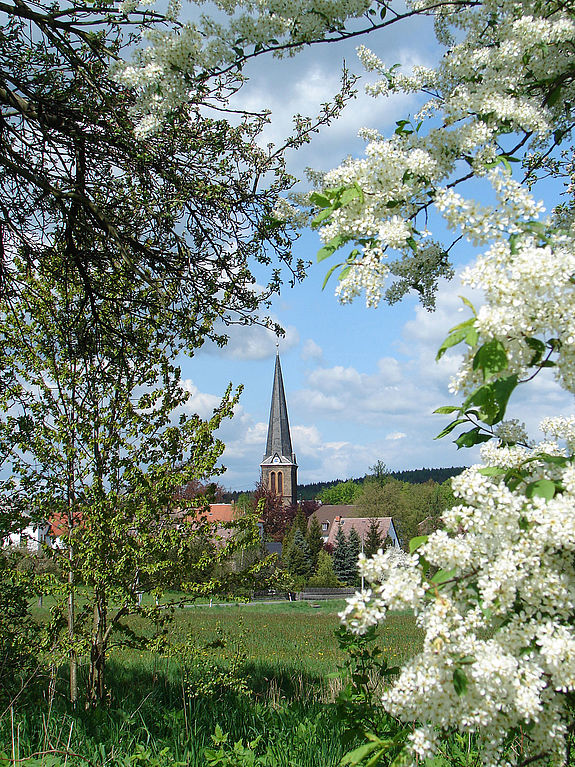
373	541
299	560
353	549
340	558
314	540
300	522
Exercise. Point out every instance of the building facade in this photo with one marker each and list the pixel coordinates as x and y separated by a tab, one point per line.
279	466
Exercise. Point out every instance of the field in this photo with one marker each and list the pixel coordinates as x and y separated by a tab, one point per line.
254	670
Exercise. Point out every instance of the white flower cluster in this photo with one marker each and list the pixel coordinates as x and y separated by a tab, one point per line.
163	67
503	75
501	621
365	276
511	431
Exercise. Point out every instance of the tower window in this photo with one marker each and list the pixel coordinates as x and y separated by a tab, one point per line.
280	483
273	481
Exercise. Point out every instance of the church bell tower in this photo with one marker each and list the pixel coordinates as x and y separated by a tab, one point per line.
279	467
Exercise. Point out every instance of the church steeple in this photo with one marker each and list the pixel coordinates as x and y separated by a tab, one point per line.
279	440
279	467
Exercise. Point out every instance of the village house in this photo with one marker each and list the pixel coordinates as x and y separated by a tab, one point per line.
332	517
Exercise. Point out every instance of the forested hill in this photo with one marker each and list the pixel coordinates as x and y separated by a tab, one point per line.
414	476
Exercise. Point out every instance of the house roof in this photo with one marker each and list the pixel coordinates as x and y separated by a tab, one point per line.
329	512
279	439
222	512
361	525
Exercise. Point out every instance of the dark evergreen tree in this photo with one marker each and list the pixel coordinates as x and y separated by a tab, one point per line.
373	540
300	522
353	549
340	555
314	540
299	560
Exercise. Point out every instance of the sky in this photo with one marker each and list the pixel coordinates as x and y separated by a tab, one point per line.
361	384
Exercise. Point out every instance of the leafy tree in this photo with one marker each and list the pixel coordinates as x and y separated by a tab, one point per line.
176	218
397	500
325	576
102	447
380	473
373	540
298	559
315	540
308	507
20	635
210	492
344	493
300	521
274	514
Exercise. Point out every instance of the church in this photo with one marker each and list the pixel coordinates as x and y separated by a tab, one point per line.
279	466
279	474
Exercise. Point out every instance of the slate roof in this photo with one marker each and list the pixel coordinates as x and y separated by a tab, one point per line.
279	439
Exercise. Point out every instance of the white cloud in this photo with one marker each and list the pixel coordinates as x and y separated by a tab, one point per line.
311	351
252	342
396	435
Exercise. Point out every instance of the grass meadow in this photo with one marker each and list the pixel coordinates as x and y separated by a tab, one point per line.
256	670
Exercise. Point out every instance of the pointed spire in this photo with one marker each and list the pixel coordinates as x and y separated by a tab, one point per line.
279	440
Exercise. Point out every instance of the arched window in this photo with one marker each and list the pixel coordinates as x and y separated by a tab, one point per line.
273	481
280	483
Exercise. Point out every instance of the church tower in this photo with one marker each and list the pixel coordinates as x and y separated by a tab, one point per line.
279	467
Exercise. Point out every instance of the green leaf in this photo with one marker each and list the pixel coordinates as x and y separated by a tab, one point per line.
554	95
471	438
469	305
416	542
490	358
358	754
450	427
446	409
349	194
492	471
442	575
329	249
459	681
321	216
559	460
319	199
492	398
344	272
541	488
328	275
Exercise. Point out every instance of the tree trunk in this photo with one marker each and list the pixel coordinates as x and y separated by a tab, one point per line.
96	682
73	661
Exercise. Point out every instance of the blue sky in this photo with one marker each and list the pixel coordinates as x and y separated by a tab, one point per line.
361	383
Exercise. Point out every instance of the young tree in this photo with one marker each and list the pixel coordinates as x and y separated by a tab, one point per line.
373	540
325	577
102	446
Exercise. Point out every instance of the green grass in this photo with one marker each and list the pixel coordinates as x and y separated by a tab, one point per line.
289	654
